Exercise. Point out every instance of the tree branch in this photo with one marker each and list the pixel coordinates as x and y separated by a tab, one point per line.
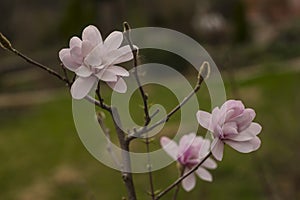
170	187
202	75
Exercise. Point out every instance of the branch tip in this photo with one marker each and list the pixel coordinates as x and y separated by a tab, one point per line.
204	71
5	43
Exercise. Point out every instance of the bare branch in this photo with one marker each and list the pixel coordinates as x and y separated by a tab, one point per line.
170	187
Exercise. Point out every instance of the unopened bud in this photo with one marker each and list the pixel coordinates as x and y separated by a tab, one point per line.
204	71
126	26
5	43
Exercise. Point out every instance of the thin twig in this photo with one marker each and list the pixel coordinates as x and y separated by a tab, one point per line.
170	187
150	169
135	62
203	74
181	171
101	100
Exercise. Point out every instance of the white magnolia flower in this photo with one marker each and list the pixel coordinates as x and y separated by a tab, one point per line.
93	59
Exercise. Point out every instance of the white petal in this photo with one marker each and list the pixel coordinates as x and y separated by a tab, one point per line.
217	148
75	42
120	55
82	86
204	119
94	58
86	48
92	34
119	86
210	164
204	174
120	71
113	41
83	71
245	146
189	182
170	147
105	75
68	61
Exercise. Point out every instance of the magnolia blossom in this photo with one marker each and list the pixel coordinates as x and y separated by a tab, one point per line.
232	125
92	58
190	151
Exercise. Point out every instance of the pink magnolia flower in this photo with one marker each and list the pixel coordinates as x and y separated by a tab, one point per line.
232	125
92	58
190	151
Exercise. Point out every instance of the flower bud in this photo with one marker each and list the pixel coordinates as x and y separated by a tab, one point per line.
204	71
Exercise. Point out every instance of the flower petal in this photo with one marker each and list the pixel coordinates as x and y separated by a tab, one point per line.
204	119
92	34
119	86
245	146
106	75
82	86
204	174
210	164
120	71
245	119
86	48
189	182
67	60
94	58
113	41
170	147
217	148
120	55
75	42
83	71
248	134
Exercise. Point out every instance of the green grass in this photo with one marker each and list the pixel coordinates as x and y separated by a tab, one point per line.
42	156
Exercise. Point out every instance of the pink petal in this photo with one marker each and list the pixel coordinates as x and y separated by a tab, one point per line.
210	164
75	42
86	48
189	182
67	60
82	86
120	55
230	128
248	134
185	142
217	148
113	41
170	147
245	146
76	54
92	34
204	150
119	86
204	174
83	71
245	119
63	52
204	119
120	71
105	75
94	57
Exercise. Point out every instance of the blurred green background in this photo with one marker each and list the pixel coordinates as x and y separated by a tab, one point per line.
255	44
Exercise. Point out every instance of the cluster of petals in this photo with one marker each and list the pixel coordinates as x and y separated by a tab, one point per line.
189	153
93	59
231	124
